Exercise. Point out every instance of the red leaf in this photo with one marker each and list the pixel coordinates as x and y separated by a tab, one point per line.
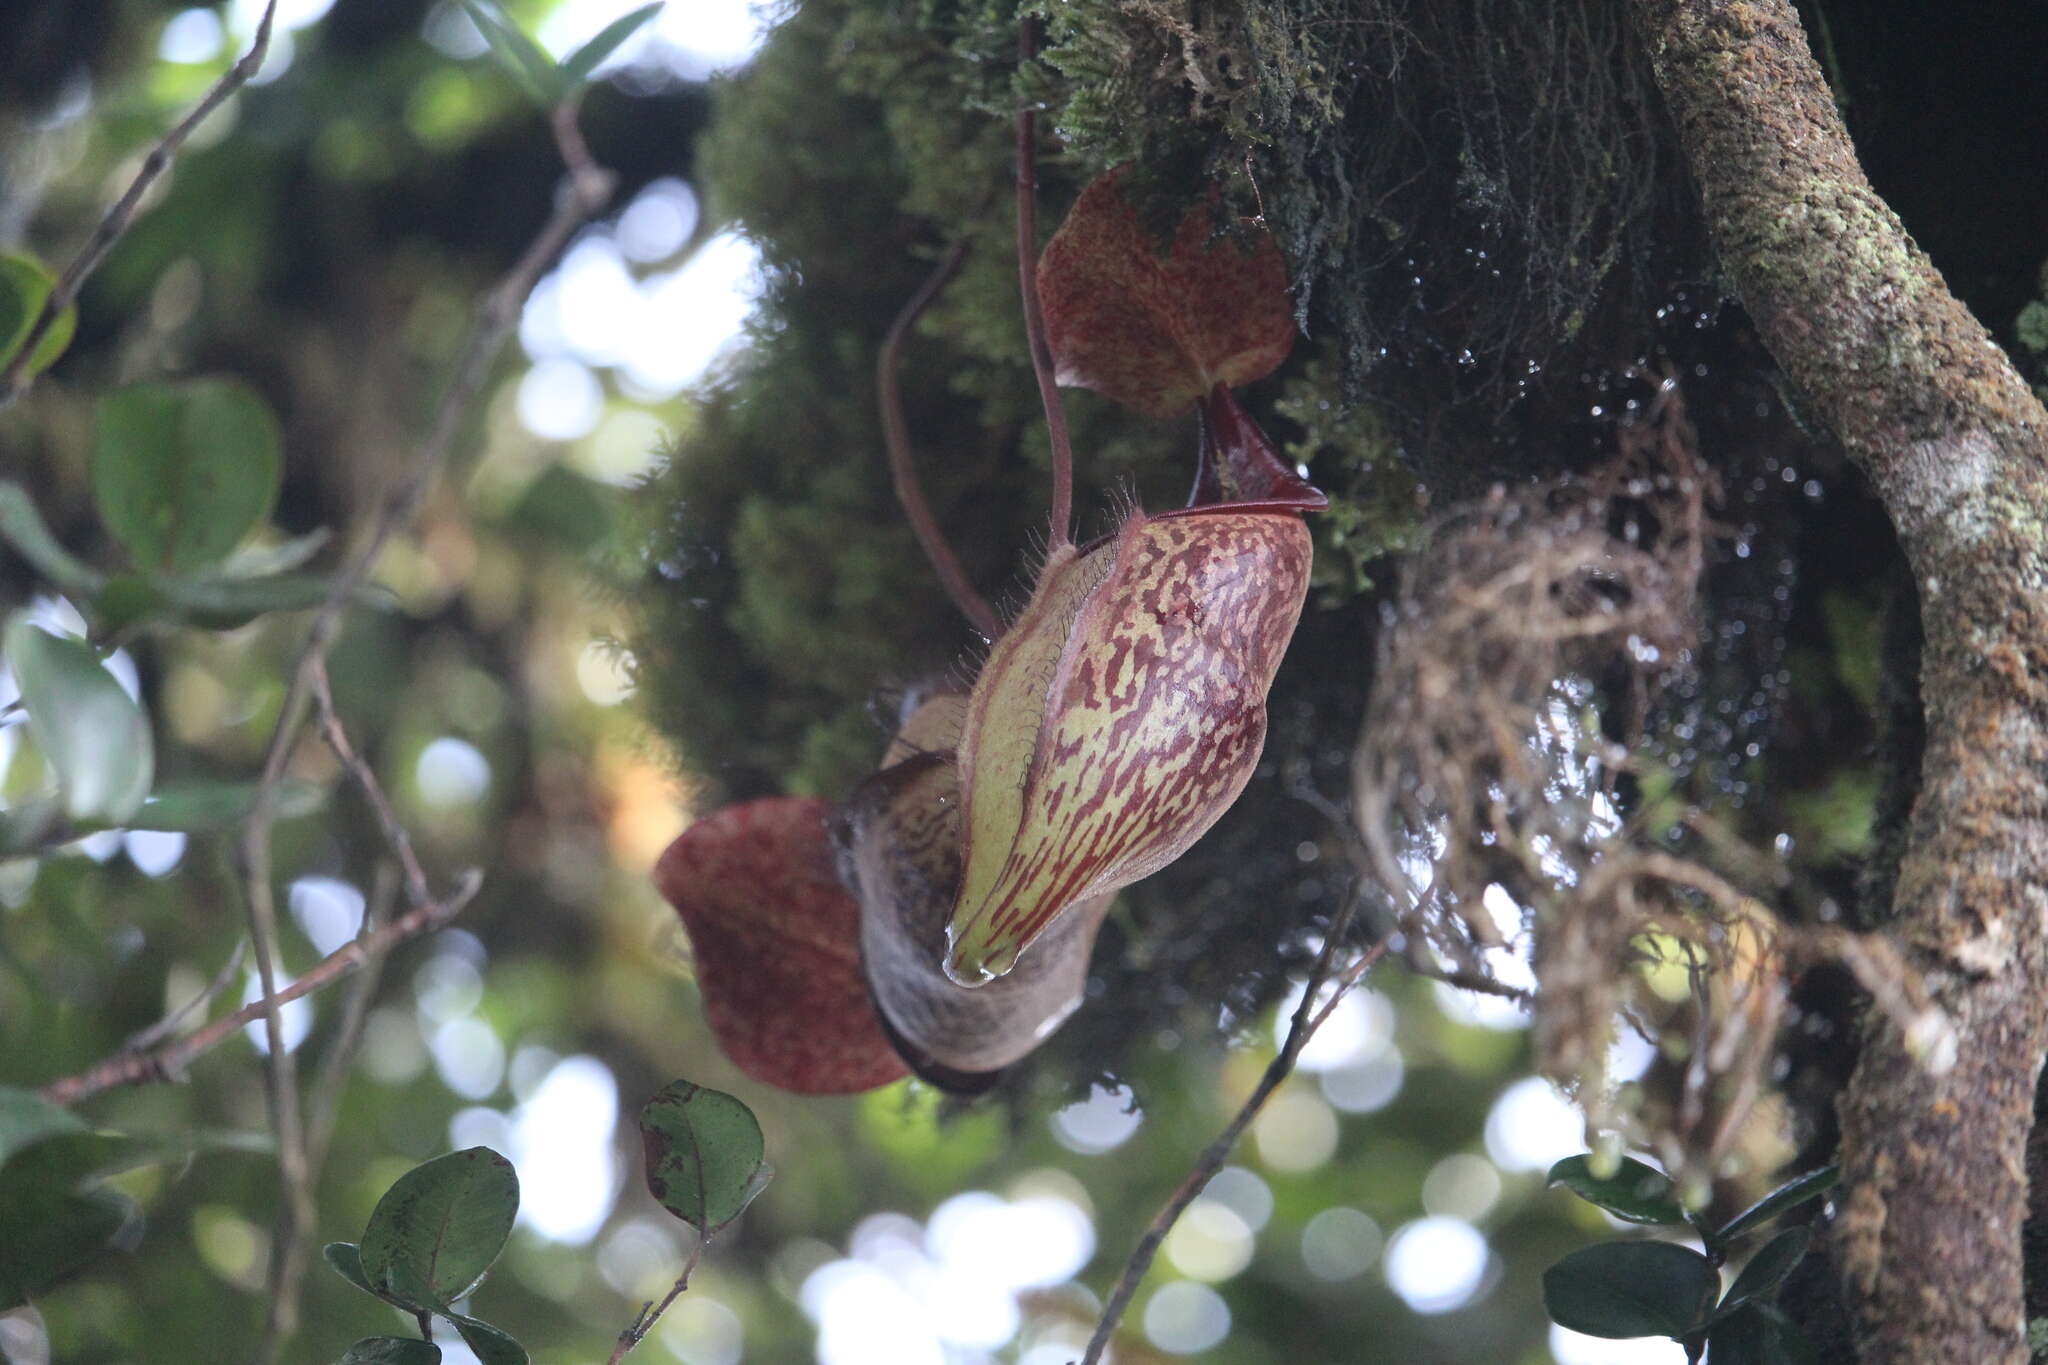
1158	331
776	940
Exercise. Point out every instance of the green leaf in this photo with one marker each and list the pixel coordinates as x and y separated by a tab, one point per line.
346	1260
218	601
181	473
92	733
229	603
1767	1269
1635	1193
30	826
391	1351
26	1118
438	1228
48	1233
1757	1335
530	67
23	527
1630	1289
1789	1195
49	1225
200	807
68	1160
25	285
263	561
703	1154
491	1346
578	65
126	600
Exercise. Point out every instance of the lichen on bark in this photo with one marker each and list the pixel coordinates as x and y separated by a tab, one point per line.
1957	448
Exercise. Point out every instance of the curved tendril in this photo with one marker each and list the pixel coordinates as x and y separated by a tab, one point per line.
1034	316
902	466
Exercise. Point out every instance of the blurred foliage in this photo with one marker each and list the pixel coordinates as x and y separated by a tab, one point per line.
323	241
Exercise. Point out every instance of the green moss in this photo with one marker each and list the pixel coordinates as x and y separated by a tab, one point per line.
1854	632
1376	505
1835	823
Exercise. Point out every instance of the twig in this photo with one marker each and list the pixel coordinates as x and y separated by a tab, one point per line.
15	379
650	1313
1034	315
332	731
175	1020
902	463
1307	1019
129	1067
586	189
323	1105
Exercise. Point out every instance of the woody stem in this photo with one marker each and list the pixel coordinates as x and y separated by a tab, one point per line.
1034	316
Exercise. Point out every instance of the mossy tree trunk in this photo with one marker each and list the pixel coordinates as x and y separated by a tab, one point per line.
1957	448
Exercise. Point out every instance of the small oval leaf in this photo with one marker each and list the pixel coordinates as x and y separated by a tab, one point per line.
91	731
53	1232
1789	1195
491	1346
1635	1193
181	473
1758	1336
1630	1289
438	1228
578	65
1768	1269
346	1260
55	1220
530	68
200	807
391	1351
26	1118
703	1154
25	285
23	527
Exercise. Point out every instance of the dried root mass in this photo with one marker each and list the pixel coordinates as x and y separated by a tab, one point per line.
1508	788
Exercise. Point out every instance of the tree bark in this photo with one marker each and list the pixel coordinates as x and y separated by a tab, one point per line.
1956	446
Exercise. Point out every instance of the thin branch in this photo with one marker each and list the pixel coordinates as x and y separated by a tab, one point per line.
1307	1019
175	1020
586	189
1034	315
14	381
281	1085
651	1313
902	463
337	739
324	1103
171	1062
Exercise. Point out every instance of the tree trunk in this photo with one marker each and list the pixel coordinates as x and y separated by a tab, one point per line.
1935	1186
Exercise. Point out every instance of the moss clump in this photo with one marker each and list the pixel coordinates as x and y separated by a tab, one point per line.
1376	505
